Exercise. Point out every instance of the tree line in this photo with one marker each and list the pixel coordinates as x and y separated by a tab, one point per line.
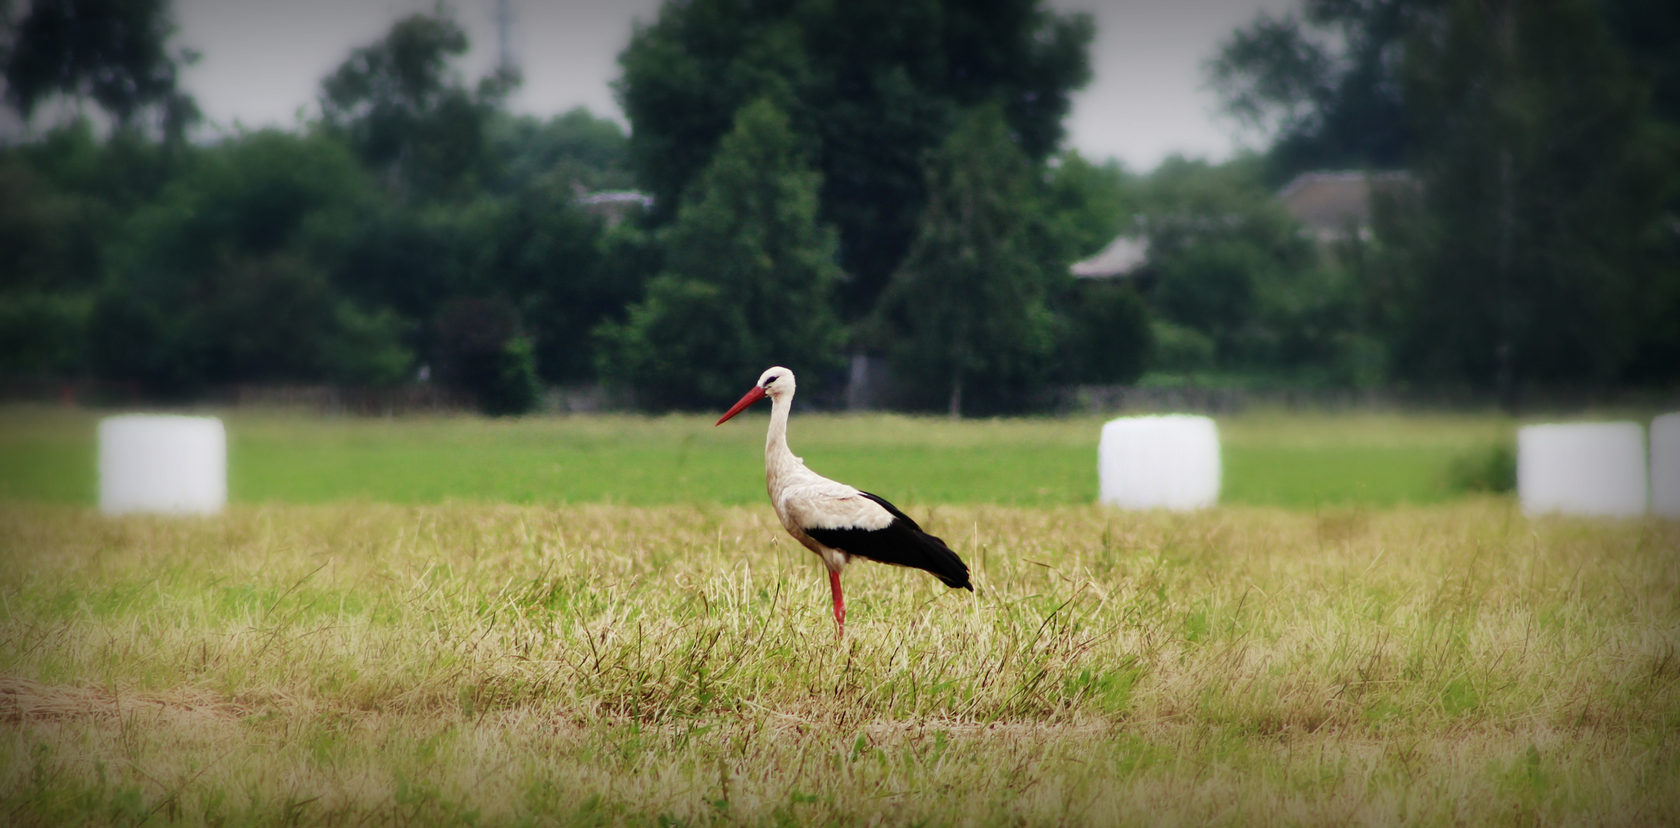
883	178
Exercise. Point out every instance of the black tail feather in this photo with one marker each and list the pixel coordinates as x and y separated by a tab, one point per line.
903	543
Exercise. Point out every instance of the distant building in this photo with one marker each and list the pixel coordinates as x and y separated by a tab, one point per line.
1337	205
615	205
1331	206
1126	256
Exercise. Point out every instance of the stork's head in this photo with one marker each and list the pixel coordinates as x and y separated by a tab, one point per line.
774	383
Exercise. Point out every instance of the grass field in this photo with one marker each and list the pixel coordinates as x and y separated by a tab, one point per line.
612	664
1270	458
598	621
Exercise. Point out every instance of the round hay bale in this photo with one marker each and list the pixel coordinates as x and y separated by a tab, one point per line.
162	464
1162	462
1665	465
1590	469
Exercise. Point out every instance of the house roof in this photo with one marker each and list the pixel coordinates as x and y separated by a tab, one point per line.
1329	203
605	197
1121	257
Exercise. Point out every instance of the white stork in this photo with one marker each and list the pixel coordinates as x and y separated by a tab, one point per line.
833	519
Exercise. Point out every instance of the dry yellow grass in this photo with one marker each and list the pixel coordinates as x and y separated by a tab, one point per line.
385	664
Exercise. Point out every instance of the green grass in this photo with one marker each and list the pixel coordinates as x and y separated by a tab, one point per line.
589	664
1303	461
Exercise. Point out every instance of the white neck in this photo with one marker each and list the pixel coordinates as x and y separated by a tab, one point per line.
778	458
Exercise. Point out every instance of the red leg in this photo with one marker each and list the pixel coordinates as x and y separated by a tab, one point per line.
839	604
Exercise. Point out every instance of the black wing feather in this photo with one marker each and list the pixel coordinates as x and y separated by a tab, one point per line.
901	543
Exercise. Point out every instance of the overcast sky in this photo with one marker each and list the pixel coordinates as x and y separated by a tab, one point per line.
263	61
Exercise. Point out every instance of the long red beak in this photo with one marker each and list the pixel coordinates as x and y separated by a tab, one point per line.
741	405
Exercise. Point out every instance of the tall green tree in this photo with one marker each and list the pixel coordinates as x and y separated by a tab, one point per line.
1088	204
406	112
575	148
227	276
870	86
749	278
115	53
1540	187
1324	83
553	258
1230	263
966	320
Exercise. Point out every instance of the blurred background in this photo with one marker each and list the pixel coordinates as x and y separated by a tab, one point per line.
972	208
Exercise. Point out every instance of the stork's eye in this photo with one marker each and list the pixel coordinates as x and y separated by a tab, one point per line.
768	380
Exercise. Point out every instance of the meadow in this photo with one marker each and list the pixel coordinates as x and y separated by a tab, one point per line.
332	652
1271	458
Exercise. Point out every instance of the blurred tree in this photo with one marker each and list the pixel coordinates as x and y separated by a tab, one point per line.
1087	204
112	52
555	266
1649	33
482	349
43	334
1104	329
749	278
406	114
1230	263
552	257
1178	349
48	232
572	149
1108	339
226	279
966	320
1324	85
1541	189
870	86
409	259
64	201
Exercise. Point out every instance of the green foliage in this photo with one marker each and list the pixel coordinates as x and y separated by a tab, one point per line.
749	279
44	229
481	348
113	52
404	113
250	196
227	279
1087	204
259	320
1540	189
1538	247
1179	349
408	259
1108	339
677	321
361	348
1211	287
1541	135
1324	84
514	389
1231	265
872	87
575	148
1491	468
43	335
273	257
968	311
556	260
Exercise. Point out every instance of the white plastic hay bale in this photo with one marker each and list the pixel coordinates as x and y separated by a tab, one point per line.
1592	469
1665	465
1163	462
162	463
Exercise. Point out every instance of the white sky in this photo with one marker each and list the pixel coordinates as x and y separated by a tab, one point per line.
263	60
